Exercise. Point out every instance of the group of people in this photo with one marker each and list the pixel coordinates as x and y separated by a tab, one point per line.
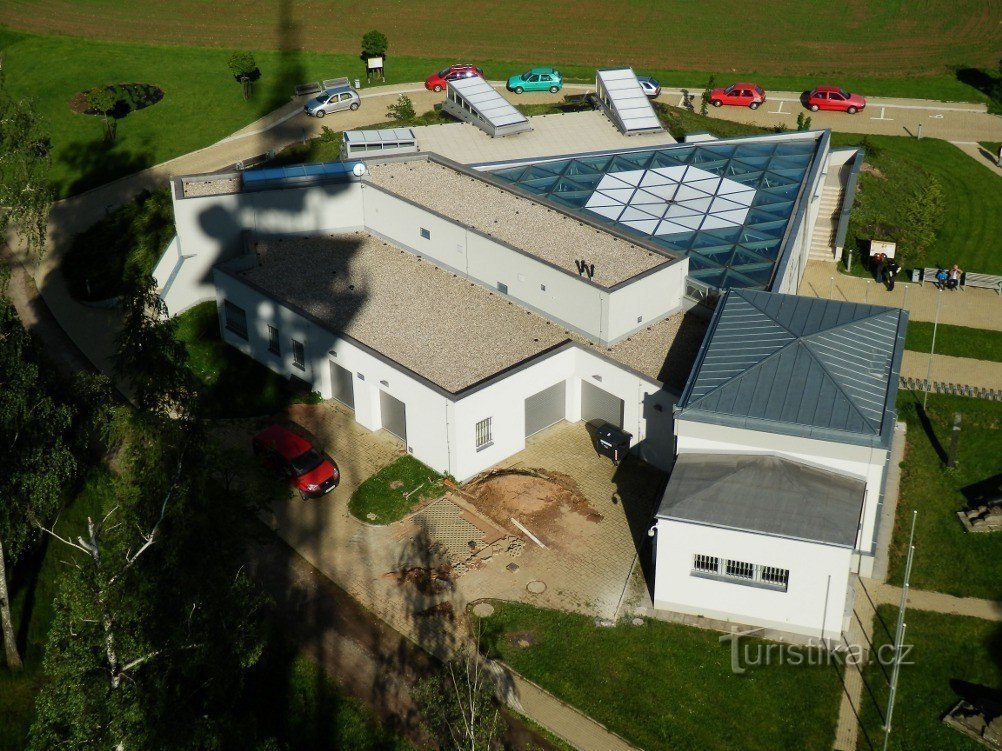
949	279
885	269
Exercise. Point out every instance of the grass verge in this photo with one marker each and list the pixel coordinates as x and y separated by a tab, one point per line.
945	649
947	559
666	686
391	493
233	385
126	243
955	341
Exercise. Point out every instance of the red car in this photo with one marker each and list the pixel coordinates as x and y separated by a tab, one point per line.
438	81
834	98
309	471
740	95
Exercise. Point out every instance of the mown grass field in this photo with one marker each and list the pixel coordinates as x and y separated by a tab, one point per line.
849	37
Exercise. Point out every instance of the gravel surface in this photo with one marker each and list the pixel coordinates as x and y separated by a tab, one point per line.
211	187
449	330
527	225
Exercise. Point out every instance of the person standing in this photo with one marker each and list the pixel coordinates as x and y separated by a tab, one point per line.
892	269
878	267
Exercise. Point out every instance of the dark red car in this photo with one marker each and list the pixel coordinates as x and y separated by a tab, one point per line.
739	95
309	471
439	81
834	98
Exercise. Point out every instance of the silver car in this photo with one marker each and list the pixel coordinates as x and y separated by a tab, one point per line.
333	100
650	86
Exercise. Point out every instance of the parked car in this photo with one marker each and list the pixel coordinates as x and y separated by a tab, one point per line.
308	470
650	85
333	100
834	98
739	95
439	81
537	79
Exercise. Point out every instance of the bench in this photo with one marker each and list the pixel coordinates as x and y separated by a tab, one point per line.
333	83
309	88
968	279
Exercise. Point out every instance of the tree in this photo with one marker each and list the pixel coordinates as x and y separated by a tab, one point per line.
149	356
25	192
459	705
803	121
402	110
243	65
102	99
707	92
156	622
375	44
35	455
923	216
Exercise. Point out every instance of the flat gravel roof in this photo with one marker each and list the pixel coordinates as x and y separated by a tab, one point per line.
520	222
441	326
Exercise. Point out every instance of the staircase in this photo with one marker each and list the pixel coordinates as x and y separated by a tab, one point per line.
823	239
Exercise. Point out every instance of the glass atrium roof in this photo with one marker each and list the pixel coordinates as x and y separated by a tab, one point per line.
725	205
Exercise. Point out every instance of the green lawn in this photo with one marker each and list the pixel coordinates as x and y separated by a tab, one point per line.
32	594
233	385
945	648
956	341
202	103
121	246
947	559
899	166
666	686
393	491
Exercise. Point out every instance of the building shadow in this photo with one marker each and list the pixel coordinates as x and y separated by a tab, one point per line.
291	70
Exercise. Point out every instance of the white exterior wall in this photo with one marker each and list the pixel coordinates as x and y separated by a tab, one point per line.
814	603
209	230
863	462
648	299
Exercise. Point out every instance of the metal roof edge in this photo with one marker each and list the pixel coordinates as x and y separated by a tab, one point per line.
760	532
780	428
680	405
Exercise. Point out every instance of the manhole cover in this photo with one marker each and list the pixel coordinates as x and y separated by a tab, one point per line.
483	610
637	621
513	567
536	587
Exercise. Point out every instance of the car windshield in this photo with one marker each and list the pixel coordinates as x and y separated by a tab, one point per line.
525	76
653	82
845	94
306	462
760	90
443	73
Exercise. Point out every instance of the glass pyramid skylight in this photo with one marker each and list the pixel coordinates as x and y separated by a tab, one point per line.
725	205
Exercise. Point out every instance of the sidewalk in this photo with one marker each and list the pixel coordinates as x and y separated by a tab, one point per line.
962	371
937	602
978	308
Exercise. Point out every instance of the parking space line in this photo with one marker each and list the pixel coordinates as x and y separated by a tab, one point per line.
780	110
887	118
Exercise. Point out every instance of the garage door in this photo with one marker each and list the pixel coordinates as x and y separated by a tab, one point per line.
598	406
545	408
343	385
394	415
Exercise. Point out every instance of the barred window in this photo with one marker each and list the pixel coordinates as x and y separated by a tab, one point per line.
298	355
706	563
273	343
484	433
740	570
778	577
236	319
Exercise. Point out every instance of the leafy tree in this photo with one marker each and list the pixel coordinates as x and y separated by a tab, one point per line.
803	121
705	99
243	65
459	705
402	110
155	623
25	193
923	216
375	44
36	459
149	356
102	99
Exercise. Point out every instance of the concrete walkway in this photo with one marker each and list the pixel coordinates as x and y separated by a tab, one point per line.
977	308
937	602
962	371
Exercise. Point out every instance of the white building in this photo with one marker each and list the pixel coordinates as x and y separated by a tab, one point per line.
783	436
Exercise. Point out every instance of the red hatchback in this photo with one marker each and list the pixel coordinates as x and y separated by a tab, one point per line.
834	98
309	471
438	81
740	95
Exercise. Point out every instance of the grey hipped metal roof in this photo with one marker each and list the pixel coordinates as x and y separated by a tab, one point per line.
764	494
799	366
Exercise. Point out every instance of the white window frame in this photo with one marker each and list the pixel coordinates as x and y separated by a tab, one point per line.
707	566
483	433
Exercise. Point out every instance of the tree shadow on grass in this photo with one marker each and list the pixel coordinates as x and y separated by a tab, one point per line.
99	161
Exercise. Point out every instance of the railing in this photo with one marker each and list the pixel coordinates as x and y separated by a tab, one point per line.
954	389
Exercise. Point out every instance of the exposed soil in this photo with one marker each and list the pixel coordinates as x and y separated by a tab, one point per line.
871	170
521	639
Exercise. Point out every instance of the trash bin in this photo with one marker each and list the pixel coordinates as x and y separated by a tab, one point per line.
358	84
613	442
916	275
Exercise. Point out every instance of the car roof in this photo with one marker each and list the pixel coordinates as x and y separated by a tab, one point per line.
542	70
745	85
283	440
827	88
338	90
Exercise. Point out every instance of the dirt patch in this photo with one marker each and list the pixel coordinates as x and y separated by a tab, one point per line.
521	639
871	170
427	581
539	499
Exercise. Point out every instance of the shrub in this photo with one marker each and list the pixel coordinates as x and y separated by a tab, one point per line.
923	217
243	65
375	44
705	100
402	110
